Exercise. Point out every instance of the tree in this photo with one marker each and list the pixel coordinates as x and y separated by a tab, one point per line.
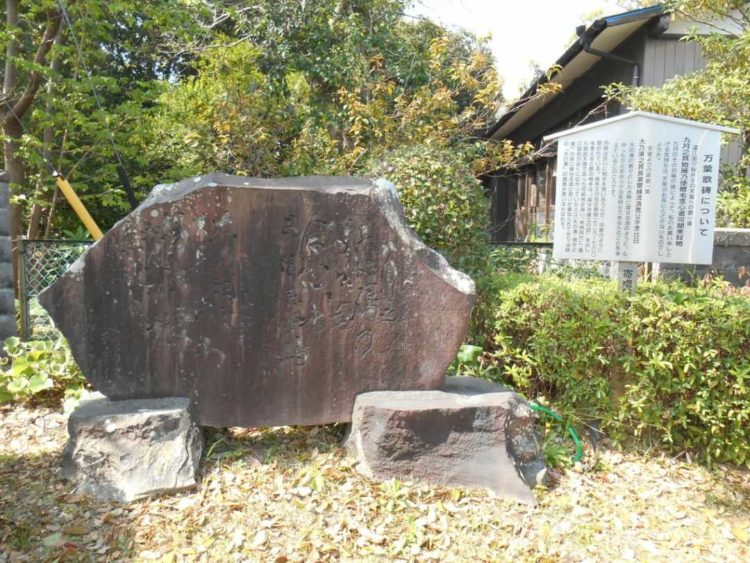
335	87
24	75
171	88
58	62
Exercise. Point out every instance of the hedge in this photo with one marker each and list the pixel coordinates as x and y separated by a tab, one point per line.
669	364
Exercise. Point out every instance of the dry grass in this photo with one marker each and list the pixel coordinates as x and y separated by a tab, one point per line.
290	495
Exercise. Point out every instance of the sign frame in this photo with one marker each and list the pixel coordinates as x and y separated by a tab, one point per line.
645	178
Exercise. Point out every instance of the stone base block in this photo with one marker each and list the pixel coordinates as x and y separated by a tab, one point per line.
126	450
470	433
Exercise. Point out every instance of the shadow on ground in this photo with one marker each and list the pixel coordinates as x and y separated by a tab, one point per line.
283	447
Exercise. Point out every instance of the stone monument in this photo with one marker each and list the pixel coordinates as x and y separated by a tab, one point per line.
265	302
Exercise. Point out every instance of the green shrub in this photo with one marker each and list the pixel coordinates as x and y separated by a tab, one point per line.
669	364
515	259
38	371
490	288
733	200
443	200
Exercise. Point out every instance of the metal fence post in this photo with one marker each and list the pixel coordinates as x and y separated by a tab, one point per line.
23	298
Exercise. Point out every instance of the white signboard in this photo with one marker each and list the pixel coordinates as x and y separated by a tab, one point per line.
639	187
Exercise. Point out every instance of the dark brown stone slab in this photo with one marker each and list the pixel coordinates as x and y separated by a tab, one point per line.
266	302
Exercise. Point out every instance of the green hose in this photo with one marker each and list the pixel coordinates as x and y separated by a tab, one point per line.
572	431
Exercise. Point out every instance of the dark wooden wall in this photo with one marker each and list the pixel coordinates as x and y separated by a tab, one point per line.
522	203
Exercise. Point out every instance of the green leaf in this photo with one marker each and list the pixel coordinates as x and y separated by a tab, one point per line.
469	353
20	367
11	344
39	382
17	385
36	355
5	395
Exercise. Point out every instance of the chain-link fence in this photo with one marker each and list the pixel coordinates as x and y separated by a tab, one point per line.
42	262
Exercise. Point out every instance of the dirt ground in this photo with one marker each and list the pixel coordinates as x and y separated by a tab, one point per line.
290	494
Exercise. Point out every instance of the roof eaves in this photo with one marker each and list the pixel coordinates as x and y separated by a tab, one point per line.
589	34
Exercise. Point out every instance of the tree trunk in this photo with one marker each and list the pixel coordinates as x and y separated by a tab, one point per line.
15	167
11	50
48	138
51	213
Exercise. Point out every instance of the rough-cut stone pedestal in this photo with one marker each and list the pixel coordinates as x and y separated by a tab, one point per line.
470	433
126	450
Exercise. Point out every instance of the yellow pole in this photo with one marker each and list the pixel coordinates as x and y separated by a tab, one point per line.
78	207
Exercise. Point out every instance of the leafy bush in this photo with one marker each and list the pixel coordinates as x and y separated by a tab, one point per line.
40	370
669	364
518	259
733	200
443	201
